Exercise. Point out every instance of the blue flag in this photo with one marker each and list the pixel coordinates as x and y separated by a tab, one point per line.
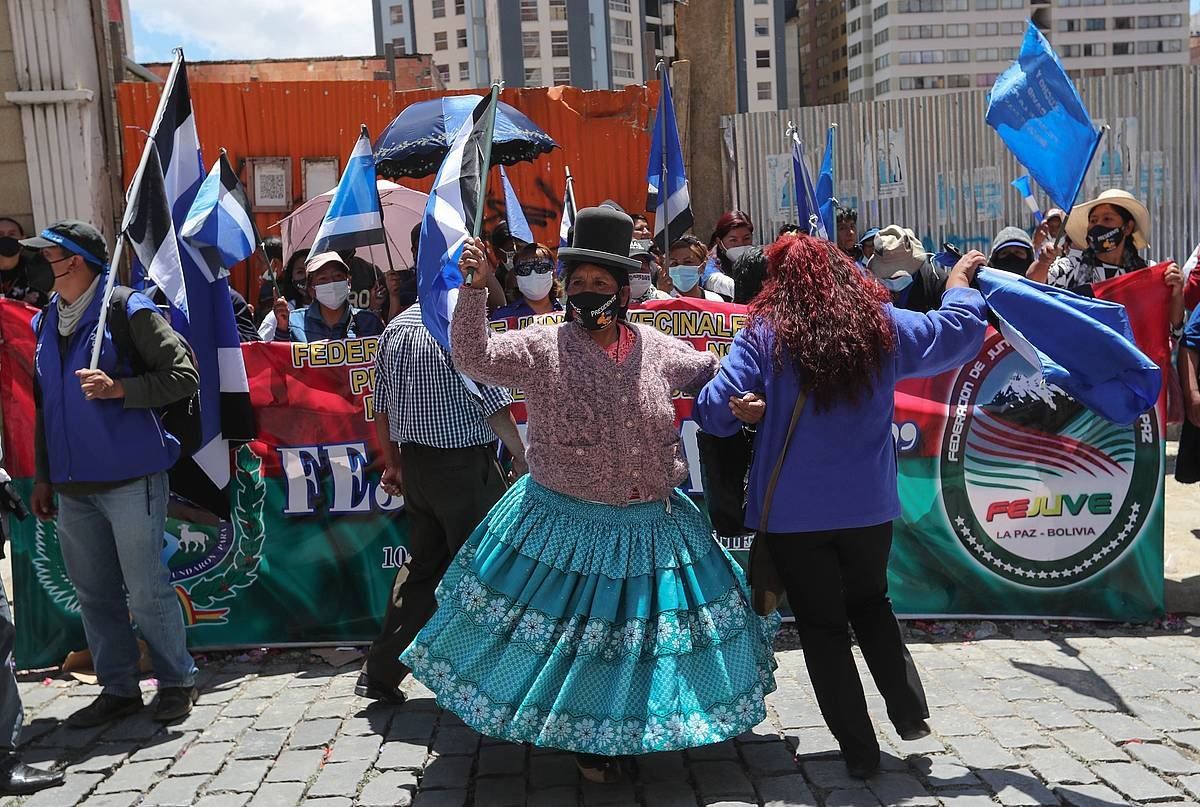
824	191
354	217
1082	345
667	186
808	213
450	213
1035	109
1025	187
518	226
220	217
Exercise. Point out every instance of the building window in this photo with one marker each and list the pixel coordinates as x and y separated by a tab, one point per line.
987	28
957	5
764	91
922	82
397	13
882	87
439	40
958	81
461	37
1095	24
438	8
958	55
533	76
399	46
882	61
762	26
560	43
529	11
621	6
855	49
1124	23
855	73
562	75
920	31
985	79
1122	49
444	73
531	44
957	30
762	58
880	13
1160	21
464	71
855	25
558	9
622	33
622	64
987	54
460	7
1168	46
881	37
1012	3
918	57
987	5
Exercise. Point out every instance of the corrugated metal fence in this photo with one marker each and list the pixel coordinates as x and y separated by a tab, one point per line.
604	138
933	164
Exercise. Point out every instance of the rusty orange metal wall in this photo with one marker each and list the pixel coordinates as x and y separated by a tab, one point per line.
604	136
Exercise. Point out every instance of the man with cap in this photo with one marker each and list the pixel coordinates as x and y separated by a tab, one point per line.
329	315
866	246
101	447
902	265
643	283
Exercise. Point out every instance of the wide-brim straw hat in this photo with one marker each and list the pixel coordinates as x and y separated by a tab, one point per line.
1077	222
897	251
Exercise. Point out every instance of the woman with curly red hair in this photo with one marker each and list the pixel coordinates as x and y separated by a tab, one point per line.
822	330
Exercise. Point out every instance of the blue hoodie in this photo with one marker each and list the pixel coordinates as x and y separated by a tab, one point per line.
841	469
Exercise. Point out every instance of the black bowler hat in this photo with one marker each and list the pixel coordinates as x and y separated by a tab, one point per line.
602	237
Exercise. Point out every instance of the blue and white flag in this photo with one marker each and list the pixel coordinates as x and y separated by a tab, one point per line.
667	185
354	217
1035	109
1082	345
824	190
450	214
1025	187
518	225
198	292
220	219
808	214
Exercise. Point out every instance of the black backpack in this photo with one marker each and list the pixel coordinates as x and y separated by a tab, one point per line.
181	418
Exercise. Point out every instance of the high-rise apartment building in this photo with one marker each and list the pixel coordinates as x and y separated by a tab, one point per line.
897	48
594	44
824	67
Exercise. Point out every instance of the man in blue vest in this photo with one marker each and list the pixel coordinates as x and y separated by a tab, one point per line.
101	447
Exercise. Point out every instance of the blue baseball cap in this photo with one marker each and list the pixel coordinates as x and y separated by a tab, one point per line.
77	237
869	235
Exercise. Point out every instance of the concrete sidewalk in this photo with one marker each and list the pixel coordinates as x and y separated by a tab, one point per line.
1036	714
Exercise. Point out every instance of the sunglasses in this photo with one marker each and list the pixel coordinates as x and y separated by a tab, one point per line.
526	268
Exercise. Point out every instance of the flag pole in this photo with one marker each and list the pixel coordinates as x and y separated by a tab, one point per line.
662	176
115	261
485	166
571	189
1062	233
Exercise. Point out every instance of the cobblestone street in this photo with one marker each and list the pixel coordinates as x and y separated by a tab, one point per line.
1035	713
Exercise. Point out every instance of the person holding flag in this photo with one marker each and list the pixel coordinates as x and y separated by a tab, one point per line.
1113	228
102	448
591	610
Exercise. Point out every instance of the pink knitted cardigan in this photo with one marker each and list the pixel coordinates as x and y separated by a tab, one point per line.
597	430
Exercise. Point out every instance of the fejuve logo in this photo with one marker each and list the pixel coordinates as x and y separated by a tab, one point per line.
208	565
1037	488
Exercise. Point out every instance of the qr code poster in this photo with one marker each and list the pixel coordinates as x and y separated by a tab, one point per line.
271	183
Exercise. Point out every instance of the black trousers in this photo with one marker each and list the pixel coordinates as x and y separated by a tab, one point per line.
447	492
837	580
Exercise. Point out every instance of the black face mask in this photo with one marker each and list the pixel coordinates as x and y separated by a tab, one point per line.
9	246
1105	239
593	310
1016	264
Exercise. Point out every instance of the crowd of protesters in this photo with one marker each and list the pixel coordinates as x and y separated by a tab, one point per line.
531	580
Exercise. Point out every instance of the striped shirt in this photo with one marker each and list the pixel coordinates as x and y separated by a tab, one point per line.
423	395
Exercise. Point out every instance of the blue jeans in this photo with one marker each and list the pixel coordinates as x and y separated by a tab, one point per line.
112	547
10	697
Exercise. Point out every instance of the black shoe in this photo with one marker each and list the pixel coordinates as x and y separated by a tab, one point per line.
862	770
913	731
105	709
174	703
375	691
19	779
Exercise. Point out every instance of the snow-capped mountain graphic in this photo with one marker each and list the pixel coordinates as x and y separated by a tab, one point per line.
1029	401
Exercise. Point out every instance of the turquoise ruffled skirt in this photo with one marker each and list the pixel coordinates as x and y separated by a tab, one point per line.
596	629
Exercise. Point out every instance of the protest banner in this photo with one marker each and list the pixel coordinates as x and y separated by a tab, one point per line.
1038	508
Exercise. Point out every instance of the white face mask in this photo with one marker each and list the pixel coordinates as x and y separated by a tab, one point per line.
733	253
332	295
639	284
897	284
535	286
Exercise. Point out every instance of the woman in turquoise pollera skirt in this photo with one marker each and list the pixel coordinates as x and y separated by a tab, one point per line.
592	611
